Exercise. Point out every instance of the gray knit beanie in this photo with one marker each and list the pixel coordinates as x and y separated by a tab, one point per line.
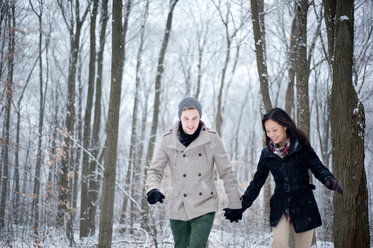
189	102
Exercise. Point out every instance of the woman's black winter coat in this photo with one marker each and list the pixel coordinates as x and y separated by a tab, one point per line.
293	190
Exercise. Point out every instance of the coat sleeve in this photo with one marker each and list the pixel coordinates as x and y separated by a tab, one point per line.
156	170
318	169
224	168
253	190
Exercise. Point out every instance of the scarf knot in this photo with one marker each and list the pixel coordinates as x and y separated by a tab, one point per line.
186	139
280	151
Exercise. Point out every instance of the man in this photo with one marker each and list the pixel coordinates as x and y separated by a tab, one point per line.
191	150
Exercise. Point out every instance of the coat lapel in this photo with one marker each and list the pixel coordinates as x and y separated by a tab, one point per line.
175	144
202	139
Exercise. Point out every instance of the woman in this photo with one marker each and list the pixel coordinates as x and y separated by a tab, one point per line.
288	155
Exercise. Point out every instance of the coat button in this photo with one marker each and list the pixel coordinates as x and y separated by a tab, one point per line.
185	195
200	154
199	174
204	129
184	155
200	193
212	193
184	175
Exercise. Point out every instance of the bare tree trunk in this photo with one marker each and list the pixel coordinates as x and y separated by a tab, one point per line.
76	156
329	15
3	18
157	93
347	119
16	170
201	50
94	176
302	70
64	196
7	116
53	160
85	203
35	203
229	36
17	189
302	75
133	166
257	15
118	57
289	101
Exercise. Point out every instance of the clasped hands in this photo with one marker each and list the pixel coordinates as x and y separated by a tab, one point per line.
234	215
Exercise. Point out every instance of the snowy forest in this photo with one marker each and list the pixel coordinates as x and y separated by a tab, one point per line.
88	87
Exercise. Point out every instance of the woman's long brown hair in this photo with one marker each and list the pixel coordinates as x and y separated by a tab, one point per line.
281	117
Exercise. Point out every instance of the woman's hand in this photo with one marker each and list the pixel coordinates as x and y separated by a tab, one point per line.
333	184
234	215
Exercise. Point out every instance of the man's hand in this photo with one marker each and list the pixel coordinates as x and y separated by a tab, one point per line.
154	196
234	215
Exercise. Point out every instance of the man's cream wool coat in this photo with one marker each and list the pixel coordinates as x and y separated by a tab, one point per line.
193	191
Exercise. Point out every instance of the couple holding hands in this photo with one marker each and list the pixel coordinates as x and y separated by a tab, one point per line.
191	150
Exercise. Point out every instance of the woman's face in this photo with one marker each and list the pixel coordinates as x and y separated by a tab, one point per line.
275	132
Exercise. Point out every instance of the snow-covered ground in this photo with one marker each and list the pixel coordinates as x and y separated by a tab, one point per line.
218	239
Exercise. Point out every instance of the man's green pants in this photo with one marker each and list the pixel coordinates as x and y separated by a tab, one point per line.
193	233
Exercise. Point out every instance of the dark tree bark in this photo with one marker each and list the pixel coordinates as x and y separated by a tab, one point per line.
42	91
329	15
157	93
302	69
257	12
134	168
93	169
289	101
74	25
257	15
9	97
85	203
347	119
118	56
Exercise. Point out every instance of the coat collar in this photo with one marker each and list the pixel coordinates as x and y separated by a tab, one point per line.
295	146
175	144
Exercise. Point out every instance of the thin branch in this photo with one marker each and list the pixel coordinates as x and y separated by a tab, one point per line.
102	169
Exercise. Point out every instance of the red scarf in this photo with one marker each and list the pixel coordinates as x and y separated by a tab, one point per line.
280	151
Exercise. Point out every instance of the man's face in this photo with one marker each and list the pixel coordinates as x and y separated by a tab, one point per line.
190	120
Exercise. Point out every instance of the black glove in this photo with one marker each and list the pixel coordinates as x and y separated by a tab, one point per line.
234	215
333	184
155	196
